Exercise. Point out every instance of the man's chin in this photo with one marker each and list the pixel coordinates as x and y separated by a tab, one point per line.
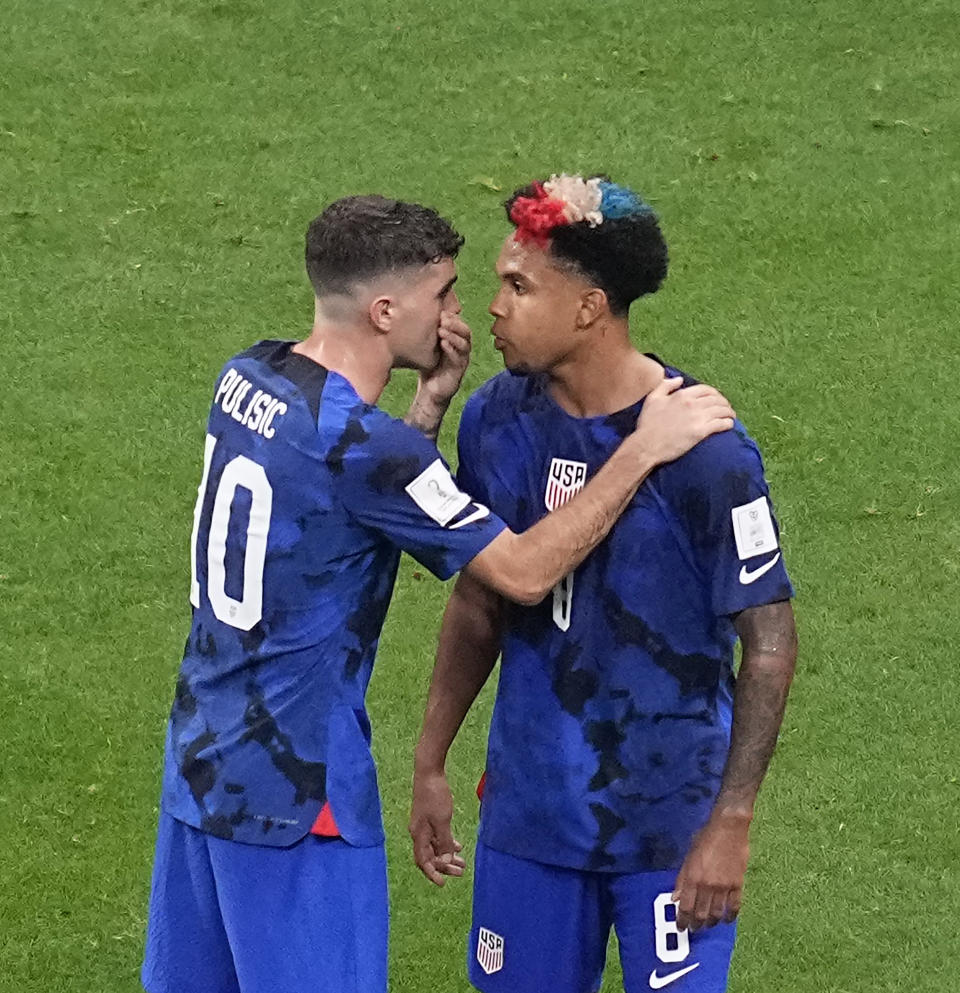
517	368
424	366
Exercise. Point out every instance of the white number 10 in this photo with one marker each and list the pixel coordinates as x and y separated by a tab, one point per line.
238	472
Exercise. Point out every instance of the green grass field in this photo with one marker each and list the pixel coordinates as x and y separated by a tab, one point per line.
159	162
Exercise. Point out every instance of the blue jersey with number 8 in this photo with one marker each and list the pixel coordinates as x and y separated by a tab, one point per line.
612	720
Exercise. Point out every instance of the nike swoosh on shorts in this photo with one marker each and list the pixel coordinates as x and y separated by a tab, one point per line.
658	982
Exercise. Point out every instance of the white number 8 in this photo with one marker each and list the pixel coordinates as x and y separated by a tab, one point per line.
238	472
673	945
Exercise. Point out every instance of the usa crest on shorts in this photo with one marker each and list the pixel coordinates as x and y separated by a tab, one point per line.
489	951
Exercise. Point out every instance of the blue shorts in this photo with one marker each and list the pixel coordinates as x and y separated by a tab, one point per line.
232	918
540	927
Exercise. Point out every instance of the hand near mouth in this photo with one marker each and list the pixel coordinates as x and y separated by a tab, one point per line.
443	380
437	386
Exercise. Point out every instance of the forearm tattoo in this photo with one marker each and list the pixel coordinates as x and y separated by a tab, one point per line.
769	643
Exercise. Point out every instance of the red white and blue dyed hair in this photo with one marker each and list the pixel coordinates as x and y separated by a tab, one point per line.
569	199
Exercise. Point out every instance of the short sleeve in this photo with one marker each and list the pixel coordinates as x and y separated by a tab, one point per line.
394	481
724	504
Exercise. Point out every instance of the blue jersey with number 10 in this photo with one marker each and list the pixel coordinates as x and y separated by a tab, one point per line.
307	496
612	719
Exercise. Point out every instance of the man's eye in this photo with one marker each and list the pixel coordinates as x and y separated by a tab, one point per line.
517	286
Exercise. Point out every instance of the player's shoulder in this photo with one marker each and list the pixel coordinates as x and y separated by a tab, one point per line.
733	451
720	469
376	421
499	399
271	355
356	432
277	369
263	350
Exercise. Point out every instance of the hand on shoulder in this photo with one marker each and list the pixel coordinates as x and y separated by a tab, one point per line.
675	418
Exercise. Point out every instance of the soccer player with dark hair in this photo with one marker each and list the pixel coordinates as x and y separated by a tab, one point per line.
270	872
624	758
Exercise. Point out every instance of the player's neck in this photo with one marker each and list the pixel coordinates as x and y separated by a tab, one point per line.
603	378
352	353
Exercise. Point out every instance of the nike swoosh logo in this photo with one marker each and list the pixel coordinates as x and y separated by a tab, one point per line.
746	578
658	982
477	515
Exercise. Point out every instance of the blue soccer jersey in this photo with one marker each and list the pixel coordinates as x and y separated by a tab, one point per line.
612	720
307	496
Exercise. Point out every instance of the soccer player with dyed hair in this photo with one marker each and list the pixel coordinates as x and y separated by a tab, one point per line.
624	758
270	871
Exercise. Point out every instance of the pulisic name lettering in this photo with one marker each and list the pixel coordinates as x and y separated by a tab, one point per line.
255	411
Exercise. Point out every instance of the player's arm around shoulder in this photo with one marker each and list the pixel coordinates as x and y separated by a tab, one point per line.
393	481
525	567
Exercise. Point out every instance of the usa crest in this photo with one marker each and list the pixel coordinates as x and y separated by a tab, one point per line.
564	480
489	951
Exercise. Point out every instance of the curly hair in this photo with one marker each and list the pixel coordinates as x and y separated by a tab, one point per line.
625	256
358	237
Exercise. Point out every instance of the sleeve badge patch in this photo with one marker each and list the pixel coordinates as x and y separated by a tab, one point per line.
436	494
753	529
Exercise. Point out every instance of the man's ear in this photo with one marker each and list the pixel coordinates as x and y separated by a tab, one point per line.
593	305
382	311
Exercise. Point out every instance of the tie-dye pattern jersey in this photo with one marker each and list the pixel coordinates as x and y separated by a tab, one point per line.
307	496
612	718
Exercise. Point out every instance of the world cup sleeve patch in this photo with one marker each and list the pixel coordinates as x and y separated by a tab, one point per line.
753	529
436	494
